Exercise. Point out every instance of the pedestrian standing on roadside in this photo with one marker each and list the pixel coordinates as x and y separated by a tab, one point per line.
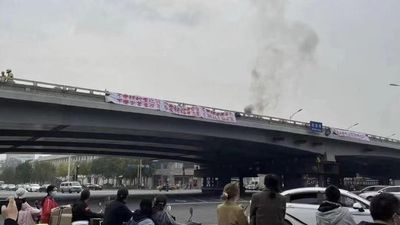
269	206
229	212
385	209
48	203
331	212
26	213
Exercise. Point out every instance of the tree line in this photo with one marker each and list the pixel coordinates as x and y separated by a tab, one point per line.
46	172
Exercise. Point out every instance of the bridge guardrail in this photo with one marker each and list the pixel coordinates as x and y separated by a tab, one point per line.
269	119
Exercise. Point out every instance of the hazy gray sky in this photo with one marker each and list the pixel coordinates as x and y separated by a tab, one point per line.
204	52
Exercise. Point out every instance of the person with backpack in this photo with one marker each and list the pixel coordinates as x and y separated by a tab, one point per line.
269	206
142	216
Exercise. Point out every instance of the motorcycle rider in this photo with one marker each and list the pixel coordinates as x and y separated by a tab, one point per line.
142	216
160	216
117	213
81	210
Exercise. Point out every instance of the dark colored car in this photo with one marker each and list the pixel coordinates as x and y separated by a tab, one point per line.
93	186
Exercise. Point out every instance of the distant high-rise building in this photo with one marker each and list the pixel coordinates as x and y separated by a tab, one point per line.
13	160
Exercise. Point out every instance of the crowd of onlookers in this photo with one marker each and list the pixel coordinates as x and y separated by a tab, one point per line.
267	208
151	212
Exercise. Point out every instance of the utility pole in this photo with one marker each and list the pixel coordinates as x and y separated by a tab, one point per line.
69	167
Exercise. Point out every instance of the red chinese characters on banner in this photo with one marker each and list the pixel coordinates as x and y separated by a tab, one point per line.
131	100
174	108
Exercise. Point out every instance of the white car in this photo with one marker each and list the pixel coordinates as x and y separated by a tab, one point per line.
395	190
370	192
303	203
70	187
34	188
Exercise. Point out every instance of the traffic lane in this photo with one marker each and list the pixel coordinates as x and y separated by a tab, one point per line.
204	209
103	193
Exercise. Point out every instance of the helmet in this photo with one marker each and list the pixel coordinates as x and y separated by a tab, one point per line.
8	71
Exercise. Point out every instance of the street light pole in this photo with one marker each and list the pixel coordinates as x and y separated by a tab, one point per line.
69	167
356	124
291	116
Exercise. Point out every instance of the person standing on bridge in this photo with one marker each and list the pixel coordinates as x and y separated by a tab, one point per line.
269	206
48	203
3	77
10	76
230	212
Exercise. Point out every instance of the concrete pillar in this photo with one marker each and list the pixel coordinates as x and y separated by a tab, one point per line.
241	186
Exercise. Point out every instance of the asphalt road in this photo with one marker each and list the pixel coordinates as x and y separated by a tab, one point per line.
181	201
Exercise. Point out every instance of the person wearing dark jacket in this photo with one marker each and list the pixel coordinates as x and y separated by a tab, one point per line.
385	209
117	213
142	216
269	206
81	210
331	212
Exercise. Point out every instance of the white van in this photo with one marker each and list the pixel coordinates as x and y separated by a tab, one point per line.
70	187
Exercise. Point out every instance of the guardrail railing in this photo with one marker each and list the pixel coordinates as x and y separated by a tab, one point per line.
270	119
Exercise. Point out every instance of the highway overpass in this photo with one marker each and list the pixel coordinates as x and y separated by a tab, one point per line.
49	118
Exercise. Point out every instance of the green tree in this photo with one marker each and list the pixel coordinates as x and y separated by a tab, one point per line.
62	170
23	172
85	168
8	175
43	172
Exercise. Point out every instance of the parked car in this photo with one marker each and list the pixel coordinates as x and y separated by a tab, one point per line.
34	188
70	187
3	186
389	189
26	186
374	188
11	187
43	188
303	203
93	186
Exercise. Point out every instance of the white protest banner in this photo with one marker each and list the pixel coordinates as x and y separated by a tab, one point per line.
132	100
350	134
170	107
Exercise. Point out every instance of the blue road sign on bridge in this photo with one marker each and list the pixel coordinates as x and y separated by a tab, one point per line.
316	126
